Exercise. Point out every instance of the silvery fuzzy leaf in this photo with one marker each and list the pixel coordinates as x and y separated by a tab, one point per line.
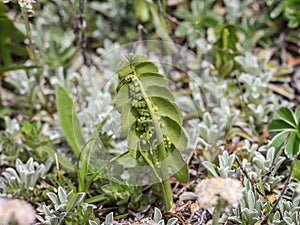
188	196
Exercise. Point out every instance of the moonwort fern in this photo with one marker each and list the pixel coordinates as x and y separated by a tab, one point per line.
151	121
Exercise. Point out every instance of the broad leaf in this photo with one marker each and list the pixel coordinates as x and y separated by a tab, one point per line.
297	114
62	196
278	141
151	121
139	64
172	221
296	170
127	118
145	67
133	141
279	125
153	79
167	108
179	166
73	200
158	91
175	133
109	219
11	40
287	115
53	197
210	167
69	120
292	146
157	215
141	84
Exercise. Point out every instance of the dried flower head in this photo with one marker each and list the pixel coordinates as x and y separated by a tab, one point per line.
26	3
23	3
16	211
211	191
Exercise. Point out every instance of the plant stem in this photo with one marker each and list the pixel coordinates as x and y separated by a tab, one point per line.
32	48
217	213
162	167
35	59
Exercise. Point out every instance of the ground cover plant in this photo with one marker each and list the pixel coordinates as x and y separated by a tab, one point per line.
149	112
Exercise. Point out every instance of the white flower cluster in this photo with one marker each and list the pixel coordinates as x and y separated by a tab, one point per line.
23	3
209	191
16	211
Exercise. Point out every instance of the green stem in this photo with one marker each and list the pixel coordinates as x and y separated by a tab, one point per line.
217	213
32	48
162	167
35	59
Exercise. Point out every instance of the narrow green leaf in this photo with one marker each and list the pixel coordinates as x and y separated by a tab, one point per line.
68	53
297	113
184	15
69	120
16	67
141	10
97	198
278	10
292	146
79	197
71	202
293	23
159	22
